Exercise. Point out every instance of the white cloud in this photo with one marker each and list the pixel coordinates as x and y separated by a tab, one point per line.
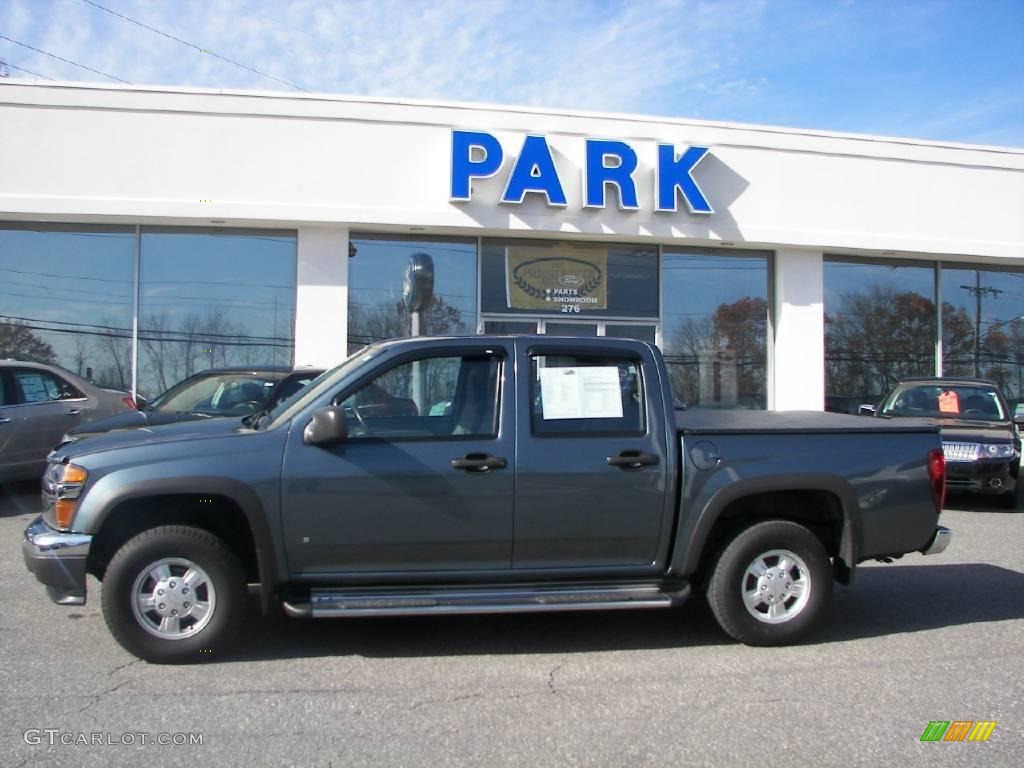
858	67
621	56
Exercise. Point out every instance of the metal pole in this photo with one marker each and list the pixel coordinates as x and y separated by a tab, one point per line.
418	372
977	324
136	295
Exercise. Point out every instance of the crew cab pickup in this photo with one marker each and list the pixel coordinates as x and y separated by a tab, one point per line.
525	473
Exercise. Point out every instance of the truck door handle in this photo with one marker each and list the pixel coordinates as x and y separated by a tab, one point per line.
632	460
479	462
4	420
74	411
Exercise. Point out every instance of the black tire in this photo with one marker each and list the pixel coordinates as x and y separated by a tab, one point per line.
221	588
730	580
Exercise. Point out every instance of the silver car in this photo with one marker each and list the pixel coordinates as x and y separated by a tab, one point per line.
38	404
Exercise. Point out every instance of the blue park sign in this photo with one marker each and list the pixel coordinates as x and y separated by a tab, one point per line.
479	155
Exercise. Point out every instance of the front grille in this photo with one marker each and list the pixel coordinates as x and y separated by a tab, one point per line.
961	451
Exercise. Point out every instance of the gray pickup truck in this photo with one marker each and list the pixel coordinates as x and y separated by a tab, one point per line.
481	474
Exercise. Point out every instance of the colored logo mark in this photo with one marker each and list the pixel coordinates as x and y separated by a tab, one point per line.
958	730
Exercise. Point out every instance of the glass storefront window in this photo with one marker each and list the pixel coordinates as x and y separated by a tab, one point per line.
68	298
213	299
624	331
376	310
576	330
983	326
513	327
571	280
715	327
879	328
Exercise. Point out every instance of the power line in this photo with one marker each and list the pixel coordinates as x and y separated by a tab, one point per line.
28	71
145	334
194	46
60	58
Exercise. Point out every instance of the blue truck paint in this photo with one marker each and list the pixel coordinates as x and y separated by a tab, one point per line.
394	515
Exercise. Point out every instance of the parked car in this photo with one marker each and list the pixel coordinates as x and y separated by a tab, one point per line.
844	404
980	434
604	497
208	394
38	403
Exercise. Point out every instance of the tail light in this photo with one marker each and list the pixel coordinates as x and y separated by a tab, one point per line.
128	402
937	477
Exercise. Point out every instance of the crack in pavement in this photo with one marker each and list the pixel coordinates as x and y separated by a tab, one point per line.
96	697
124	666
472	696
551	677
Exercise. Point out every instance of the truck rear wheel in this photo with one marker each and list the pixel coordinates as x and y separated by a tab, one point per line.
771	584
174	594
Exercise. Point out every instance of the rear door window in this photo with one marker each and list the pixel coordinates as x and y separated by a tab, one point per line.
43	386
584	394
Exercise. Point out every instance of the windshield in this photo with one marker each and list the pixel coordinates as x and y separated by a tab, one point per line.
284	411
968	402
223	394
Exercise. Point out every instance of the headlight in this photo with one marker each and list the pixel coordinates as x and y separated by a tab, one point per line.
67	483
1000	451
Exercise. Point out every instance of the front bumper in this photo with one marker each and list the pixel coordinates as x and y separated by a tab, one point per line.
58	560
987	477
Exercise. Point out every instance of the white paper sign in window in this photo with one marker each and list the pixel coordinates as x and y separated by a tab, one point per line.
581	393
32	387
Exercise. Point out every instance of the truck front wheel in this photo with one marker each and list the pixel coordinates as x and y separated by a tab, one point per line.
771	584
174	594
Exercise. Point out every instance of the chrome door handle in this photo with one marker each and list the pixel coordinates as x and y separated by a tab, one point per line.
4	420
630	460
74	411
479	463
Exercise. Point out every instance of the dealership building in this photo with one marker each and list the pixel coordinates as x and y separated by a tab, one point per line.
147	233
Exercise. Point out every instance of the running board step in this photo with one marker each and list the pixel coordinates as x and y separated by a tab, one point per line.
333	603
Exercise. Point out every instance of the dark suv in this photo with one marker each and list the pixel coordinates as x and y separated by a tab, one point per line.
980	435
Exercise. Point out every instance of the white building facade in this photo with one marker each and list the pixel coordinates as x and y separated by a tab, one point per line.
147	233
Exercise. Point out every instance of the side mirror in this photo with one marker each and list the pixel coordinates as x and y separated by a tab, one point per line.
866	410
327	427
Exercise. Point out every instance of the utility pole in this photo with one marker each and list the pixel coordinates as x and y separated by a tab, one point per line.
977	290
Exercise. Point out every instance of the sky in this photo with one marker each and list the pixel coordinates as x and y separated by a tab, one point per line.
944	70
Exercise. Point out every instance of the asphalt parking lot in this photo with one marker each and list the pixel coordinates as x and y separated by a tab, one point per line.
937	638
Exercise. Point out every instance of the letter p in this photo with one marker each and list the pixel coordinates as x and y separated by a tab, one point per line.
475	155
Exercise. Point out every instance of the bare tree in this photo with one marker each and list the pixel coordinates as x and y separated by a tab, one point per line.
115	346
81	356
